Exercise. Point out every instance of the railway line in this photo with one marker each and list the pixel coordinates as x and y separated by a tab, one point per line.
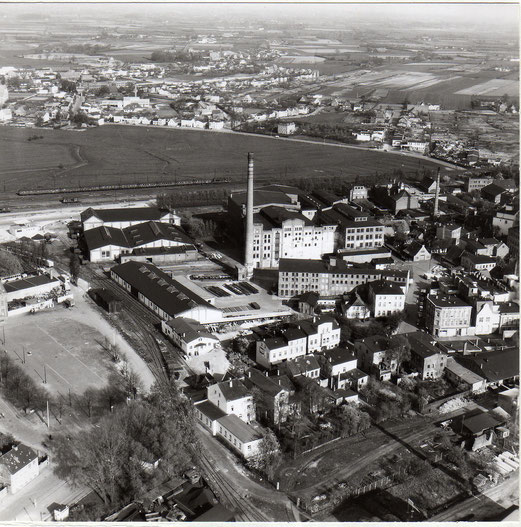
227	493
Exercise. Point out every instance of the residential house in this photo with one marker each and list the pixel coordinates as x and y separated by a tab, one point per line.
307	366
426	358
238	435
353	307
449	232
477	262
272	403
18	467
337	361
478	430
417	252
232	397
504	219
190	336
385	298
447	316
373	356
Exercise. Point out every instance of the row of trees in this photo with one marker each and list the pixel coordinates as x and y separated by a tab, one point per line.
117	458
186	198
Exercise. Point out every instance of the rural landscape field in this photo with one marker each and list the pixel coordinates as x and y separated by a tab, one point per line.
114	154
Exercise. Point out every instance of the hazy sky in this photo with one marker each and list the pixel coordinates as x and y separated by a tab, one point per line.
435	13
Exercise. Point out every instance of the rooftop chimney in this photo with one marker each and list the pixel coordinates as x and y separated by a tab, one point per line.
248	249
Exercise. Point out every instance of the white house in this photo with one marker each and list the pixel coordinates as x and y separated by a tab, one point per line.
18	467
240	436
386	298
232	397
190	336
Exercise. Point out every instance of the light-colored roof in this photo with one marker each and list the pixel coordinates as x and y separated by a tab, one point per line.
238	428
463	373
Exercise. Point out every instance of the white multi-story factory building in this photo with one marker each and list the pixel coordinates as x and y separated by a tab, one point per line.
279	233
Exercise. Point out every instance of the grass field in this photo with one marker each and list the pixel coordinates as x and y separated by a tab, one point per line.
113	154
71	352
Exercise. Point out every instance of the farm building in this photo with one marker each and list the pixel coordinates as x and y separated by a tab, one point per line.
109	243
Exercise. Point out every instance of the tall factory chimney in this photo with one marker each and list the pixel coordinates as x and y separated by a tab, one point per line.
248	248
437	195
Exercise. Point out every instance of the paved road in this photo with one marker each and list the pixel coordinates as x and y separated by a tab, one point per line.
482	506
32	502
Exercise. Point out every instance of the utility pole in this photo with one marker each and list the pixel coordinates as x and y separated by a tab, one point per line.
48	420
44	374
23	354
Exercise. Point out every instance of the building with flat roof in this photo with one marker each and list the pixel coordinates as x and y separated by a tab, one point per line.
31	286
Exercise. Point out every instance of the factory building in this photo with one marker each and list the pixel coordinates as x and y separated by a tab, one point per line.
330	278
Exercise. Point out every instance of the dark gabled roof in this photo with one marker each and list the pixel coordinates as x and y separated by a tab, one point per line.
242	431
167	293
509	307
302	365
274	343
354	375
349	212
339	356
414	248
233	390
493	190
135	235
124	214
189	329
311	298
308	328
376	343
421	345
266	384
327	198
495	366
17	458
210	410
293	333
479	258
478	424
217	513
446	301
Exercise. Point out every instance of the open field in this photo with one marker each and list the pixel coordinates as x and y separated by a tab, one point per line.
113	154
70	350
494	87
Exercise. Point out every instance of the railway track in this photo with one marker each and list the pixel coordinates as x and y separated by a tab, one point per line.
143	320
246	511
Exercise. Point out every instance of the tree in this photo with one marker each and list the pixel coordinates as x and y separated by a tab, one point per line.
268	455
74	266
399	352
9	263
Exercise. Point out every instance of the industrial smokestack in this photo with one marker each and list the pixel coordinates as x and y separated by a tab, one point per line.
248	248
437	195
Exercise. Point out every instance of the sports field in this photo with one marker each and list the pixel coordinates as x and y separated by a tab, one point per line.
71	352
126	154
